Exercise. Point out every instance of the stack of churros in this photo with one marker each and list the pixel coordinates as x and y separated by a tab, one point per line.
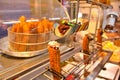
54	54
29	36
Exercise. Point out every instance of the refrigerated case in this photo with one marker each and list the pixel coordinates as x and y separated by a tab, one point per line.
37	67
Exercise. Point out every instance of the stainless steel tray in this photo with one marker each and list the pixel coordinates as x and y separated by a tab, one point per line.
4	48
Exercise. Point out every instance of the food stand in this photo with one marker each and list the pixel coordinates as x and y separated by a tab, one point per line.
34	65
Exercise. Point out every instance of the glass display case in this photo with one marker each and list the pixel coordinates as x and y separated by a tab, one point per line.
37	67
31	9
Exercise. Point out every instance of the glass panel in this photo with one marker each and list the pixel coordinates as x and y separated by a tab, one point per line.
35	9
12	10
31	9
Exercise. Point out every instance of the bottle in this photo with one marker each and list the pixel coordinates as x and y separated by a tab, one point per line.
111	19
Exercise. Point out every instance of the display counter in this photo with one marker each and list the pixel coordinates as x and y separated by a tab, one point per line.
13	67
37	66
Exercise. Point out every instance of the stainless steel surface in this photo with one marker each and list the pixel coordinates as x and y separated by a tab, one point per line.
14	66
4	47
96	71
33	68
78	69
41	69
11	67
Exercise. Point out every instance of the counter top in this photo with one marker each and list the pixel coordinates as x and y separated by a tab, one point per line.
27	68
11	67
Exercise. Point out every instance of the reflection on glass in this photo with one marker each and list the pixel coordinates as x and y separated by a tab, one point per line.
48	8
31	9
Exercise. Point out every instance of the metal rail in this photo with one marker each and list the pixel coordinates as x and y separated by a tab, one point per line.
41	68
95	72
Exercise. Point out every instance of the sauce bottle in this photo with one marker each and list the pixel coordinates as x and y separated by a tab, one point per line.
111	19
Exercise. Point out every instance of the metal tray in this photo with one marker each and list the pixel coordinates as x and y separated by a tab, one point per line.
4	48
